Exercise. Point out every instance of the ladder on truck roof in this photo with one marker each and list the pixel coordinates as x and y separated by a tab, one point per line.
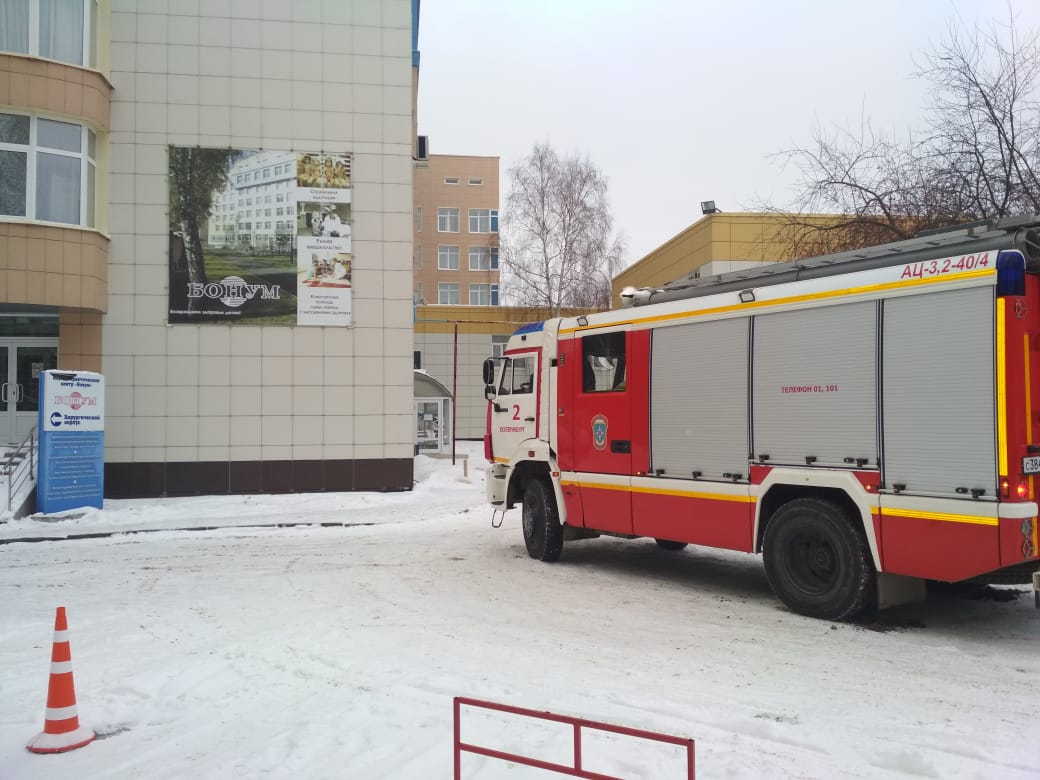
1021	233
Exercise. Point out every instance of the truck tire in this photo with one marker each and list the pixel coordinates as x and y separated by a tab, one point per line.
543	533
817	562
668	544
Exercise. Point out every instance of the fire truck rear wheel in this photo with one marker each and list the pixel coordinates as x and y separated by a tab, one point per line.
668	544
543	533
817	562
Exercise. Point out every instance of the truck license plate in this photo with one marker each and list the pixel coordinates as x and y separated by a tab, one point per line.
1031	465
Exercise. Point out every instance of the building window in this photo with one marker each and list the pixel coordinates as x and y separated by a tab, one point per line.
417	358
418	219
47	170
418	255
483	295
448	293
498	346
447	258
451	179
476	182
418	299
483	220
56	29
482	258
447	220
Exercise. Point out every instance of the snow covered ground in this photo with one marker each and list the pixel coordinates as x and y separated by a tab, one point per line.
251	650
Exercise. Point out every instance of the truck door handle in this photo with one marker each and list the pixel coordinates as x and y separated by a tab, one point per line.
529	419
622	446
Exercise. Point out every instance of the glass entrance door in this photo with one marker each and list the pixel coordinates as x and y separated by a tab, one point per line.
21	361
433	425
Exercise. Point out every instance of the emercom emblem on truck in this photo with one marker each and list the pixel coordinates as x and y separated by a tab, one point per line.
599	432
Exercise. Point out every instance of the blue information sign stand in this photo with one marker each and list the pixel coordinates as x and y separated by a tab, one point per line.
72	441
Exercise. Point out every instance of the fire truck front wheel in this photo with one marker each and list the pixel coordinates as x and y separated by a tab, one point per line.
817	561
543	533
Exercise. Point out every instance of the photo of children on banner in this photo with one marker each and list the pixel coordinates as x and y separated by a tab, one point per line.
328	269
323	170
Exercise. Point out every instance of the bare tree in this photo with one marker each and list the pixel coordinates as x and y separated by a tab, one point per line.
978	156
984	119
558	247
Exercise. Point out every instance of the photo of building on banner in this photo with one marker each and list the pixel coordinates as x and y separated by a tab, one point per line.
238	222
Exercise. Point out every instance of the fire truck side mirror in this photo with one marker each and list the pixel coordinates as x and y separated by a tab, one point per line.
489	392
489	372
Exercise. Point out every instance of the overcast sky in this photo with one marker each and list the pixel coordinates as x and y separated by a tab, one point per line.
676	101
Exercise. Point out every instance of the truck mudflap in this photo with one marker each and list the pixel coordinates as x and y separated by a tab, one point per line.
1036	589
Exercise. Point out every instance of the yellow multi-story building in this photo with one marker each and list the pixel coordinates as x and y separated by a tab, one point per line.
719	243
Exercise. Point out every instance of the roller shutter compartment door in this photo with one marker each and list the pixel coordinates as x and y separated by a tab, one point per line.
815	386
938	398
699	404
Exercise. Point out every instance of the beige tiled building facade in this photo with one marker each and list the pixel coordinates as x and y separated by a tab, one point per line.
88	120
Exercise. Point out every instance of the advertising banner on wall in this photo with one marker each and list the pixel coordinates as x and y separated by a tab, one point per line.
260	237
72	441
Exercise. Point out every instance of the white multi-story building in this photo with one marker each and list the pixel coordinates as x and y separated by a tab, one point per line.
256	208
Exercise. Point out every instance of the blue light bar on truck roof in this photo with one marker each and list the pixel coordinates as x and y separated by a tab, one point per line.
532	327
1011	273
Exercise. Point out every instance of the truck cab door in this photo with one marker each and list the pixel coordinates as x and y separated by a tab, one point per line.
601	429
514	412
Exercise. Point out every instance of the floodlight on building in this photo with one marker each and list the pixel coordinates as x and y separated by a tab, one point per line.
708	207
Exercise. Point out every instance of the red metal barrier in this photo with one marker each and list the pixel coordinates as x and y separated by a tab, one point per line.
577	723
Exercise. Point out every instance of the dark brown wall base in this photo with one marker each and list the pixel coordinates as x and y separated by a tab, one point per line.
148	480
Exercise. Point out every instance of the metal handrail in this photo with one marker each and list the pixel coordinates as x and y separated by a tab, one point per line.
575	769
20	466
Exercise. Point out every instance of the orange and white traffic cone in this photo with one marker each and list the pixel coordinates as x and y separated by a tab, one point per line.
61	729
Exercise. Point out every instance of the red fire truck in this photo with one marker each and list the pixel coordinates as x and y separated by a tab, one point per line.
867	420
